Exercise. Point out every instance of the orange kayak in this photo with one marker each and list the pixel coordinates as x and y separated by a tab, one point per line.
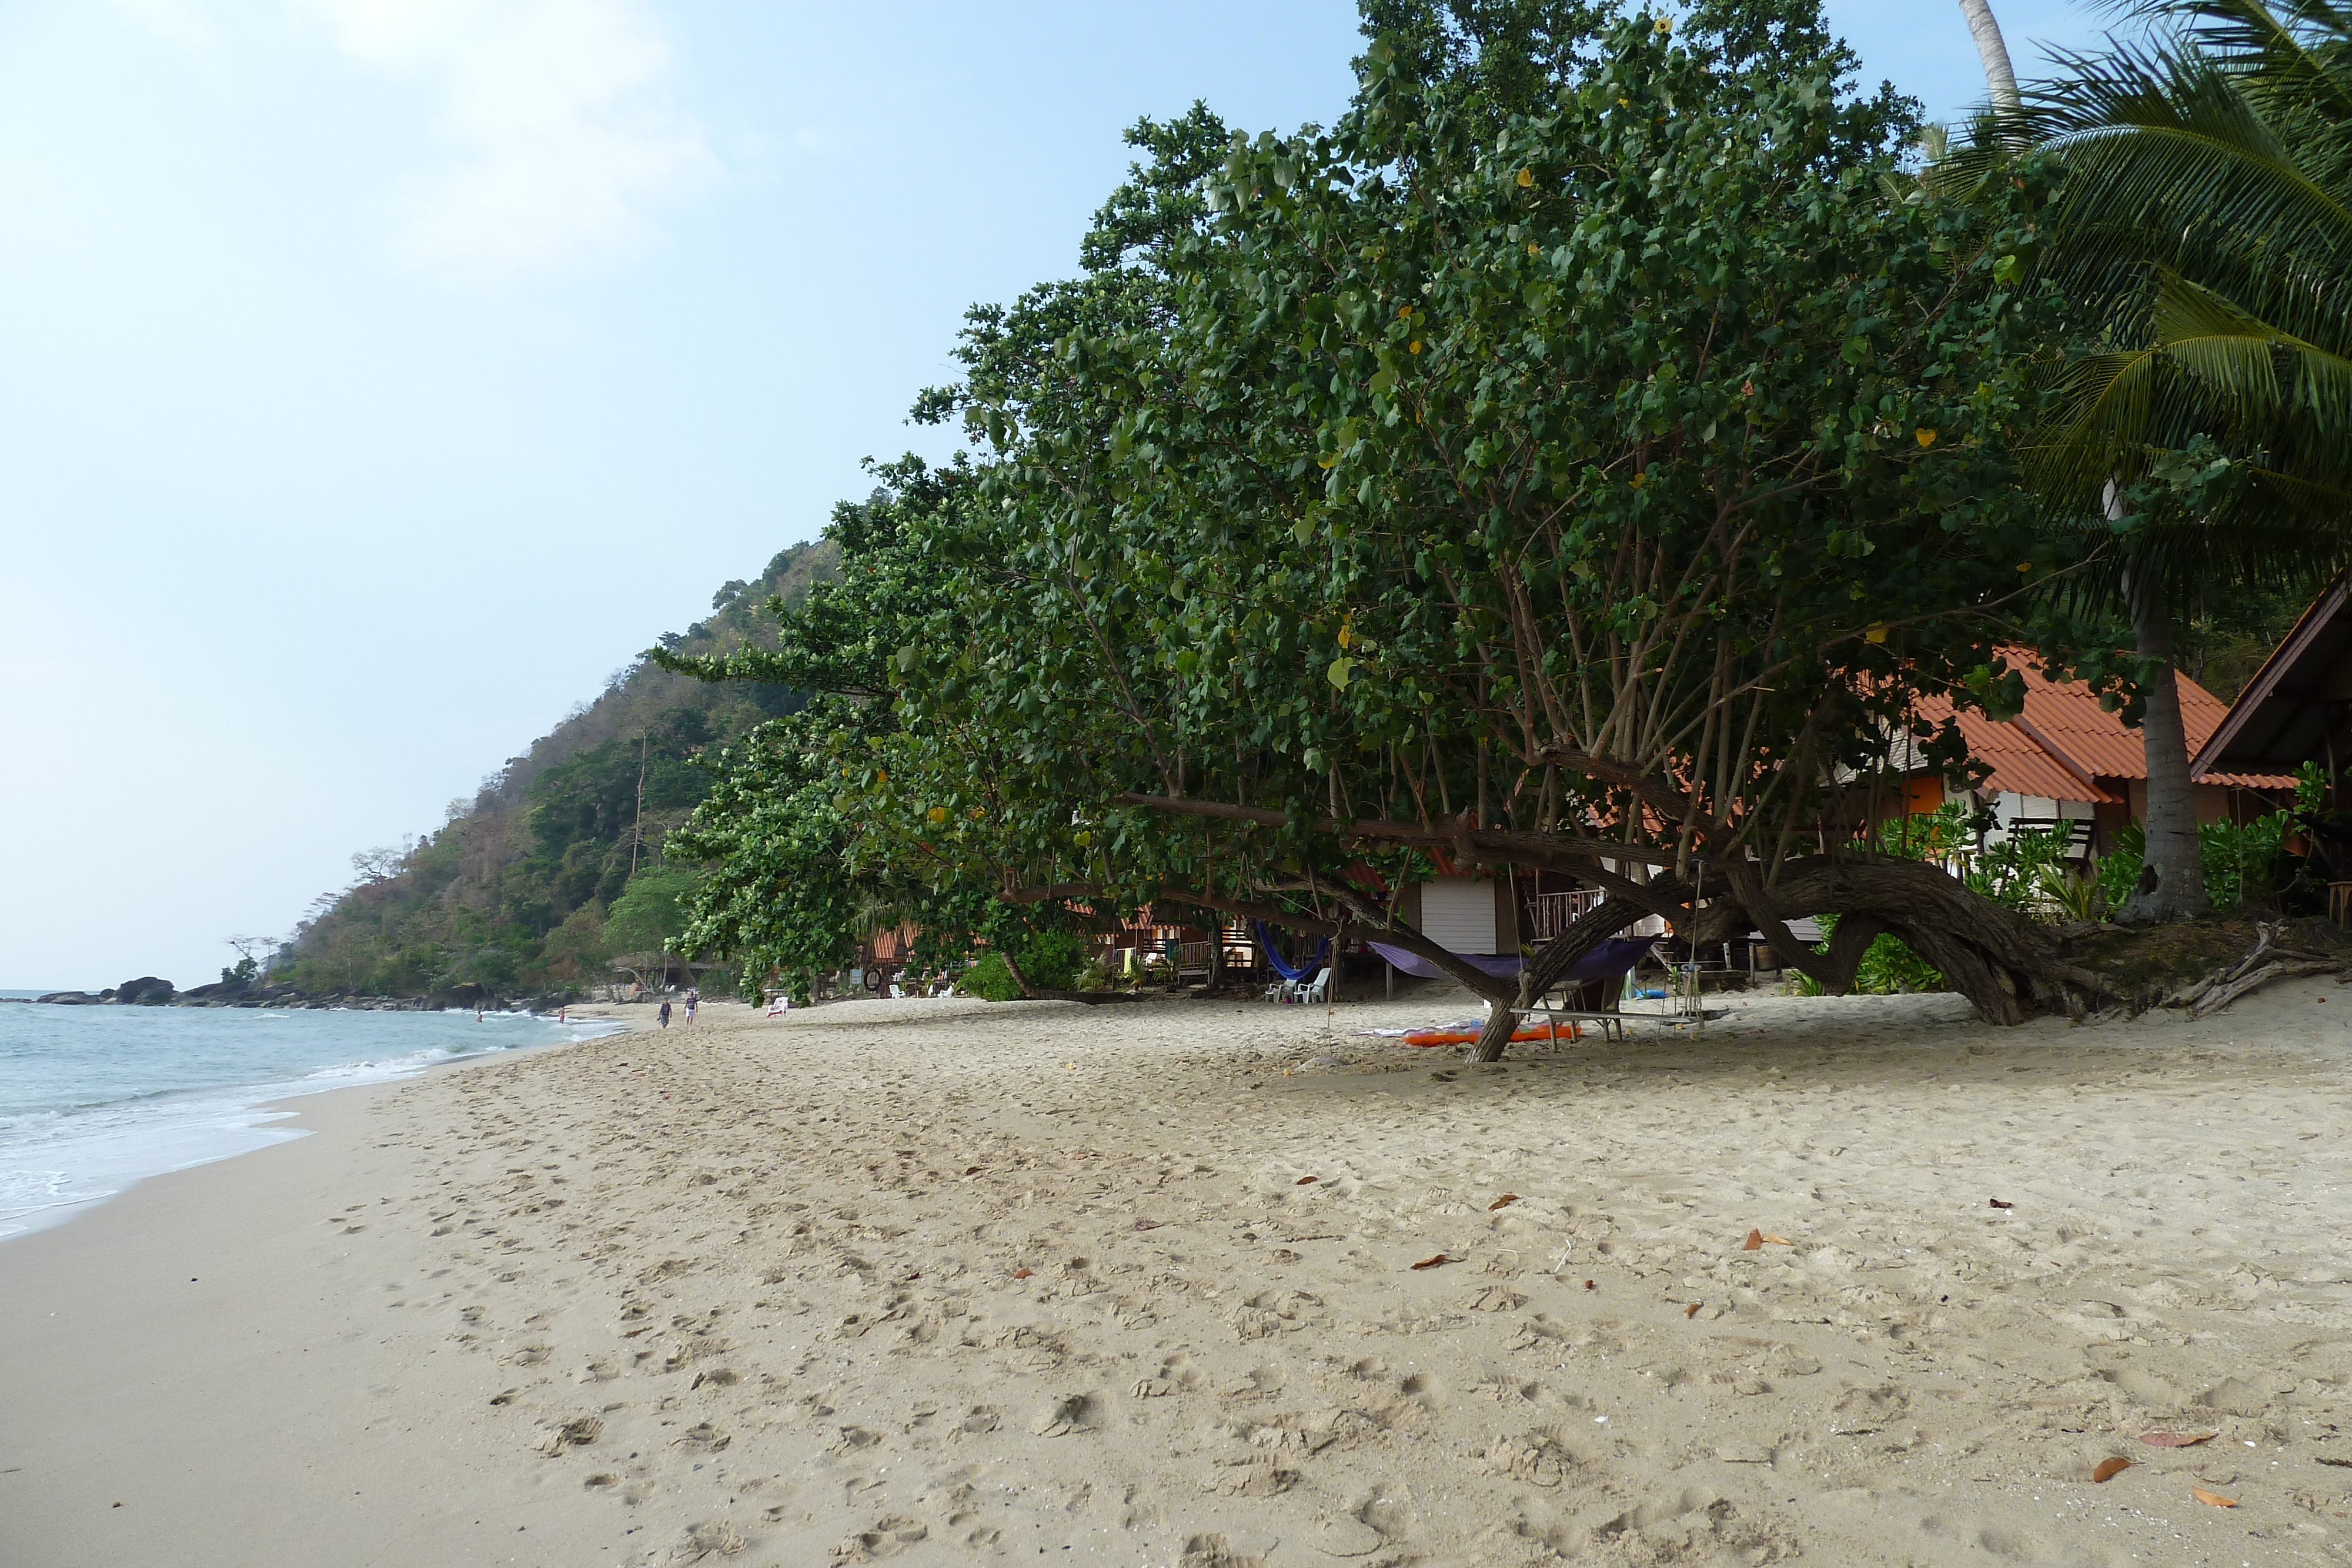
1532	1031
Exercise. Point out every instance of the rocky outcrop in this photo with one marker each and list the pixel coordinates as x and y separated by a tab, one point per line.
149	990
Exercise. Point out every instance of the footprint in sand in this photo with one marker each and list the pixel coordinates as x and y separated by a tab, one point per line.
1062	1415
891	1534
576	1433
712	1538
1177	1375
854	1438
702	1438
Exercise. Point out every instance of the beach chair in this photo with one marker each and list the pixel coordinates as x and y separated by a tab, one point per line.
1317	989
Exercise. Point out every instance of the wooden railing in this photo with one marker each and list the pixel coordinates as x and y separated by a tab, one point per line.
1550	914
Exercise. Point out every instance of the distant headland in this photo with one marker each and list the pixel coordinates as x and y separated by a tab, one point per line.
152	991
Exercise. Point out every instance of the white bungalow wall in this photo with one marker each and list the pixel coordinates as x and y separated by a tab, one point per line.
1457	913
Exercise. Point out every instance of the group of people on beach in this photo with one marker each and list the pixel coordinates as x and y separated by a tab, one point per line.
693	1000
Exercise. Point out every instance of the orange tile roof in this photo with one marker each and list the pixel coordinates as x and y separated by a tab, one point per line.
2065	746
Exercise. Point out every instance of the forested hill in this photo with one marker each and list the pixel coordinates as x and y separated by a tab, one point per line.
556	866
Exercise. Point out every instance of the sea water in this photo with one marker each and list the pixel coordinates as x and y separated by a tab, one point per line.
95	1098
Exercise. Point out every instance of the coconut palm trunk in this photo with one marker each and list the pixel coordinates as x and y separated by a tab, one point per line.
2172	880
2000	81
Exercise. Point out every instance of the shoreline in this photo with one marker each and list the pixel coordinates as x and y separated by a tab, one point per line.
221	1122
955	1281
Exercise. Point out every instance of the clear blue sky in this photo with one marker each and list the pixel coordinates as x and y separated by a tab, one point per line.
376	376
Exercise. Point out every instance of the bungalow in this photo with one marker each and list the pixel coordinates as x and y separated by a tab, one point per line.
2065	760
2299	706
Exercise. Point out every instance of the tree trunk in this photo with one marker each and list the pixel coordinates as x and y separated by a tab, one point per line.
2005	964
1013	967
2008	966
1603	921
2172	883
2000	81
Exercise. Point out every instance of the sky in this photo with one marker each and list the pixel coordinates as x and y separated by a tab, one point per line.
378	376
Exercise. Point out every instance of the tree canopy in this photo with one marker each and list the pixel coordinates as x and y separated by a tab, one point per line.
1586	453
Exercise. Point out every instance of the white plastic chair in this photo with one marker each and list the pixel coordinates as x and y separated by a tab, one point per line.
1317	989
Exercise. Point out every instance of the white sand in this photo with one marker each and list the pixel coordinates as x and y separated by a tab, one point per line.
770	1271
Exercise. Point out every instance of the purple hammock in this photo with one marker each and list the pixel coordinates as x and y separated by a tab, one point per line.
1614	956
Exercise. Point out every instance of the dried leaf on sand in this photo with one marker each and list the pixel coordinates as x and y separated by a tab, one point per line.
2110	1468
2177	1439
1432	1262
2212	1499
1505	1201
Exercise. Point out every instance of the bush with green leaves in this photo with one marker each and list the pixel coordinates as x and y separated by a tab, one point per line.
2242	861
1050	961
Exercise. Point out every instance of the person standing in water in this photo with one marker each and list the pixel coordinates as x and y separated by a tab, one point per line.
664	1013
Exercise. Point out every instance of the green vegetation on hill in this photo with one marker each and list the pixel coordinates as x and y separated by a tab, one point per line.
558	866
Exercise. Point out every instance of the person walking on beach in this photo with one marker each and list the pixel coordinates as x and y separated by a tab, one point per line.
693	1001
664	1013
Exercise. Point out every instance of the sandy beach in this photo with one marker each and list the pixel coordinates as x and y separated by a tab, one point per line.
952	1282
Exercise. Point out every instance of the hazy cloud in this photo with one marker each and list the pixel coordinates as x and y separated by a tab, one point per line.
555	117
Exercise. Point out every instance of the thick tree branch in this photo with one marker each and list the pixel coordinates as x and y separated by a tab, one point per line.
1493	843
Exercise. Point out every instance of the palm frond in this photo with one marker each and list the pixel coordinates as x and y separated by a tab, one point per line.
2172	162
2295	46
2249	375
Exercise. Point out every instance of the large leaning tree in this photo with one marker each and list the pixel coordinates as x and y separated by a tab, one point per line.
1591	456
1597	480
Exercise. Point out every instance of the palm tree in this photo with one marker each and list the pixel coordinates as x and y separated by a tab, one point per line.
2204	230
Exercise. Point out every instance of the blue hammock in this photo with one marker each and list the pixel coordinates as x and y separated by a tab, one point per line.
1614	956
1265	944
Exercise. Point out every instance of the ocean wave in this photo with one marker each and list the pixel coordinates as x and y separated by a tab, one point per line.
101	1107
